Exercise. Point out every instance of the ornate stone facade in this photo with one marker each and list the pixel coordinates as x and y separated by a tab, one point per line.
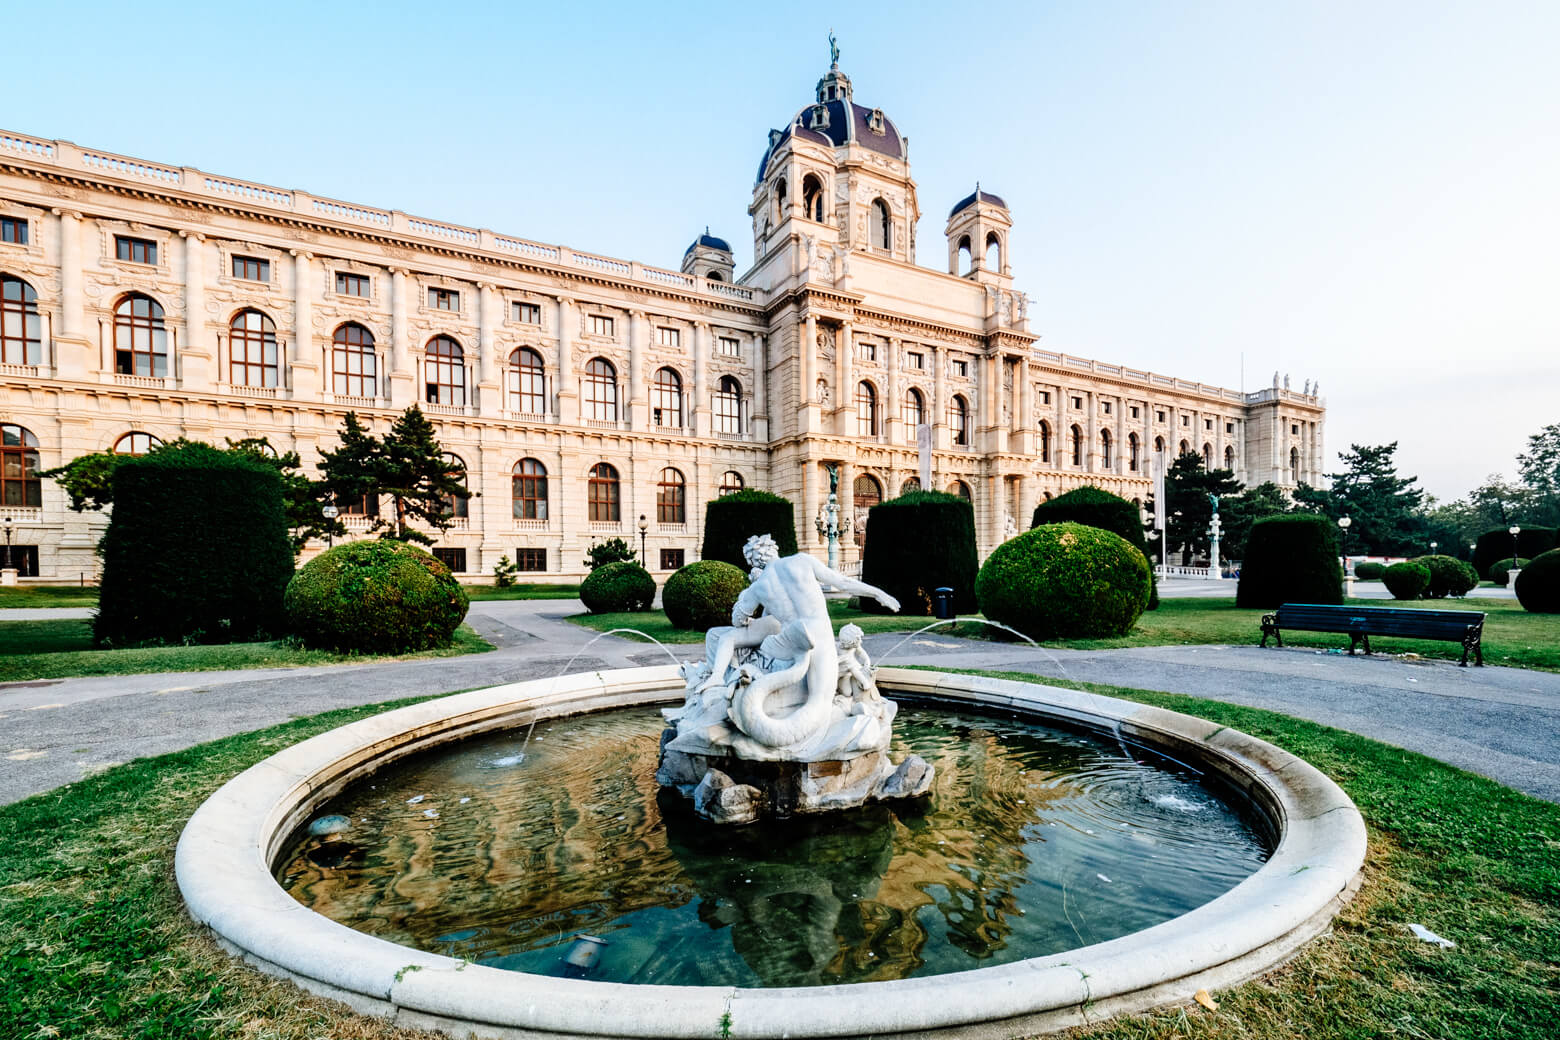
173	302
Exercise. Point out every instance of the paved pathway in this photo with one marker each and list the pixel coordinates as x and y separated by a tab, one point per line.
1502	722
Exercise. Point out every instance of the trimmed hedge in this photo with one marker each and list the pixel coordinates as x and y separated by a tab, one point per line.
730	520
1449	576
1065	581
1500	571
1369	570
1291	558
1538	584
1495	544
616	587
196	551
1406	580
916	544
702	594
1097	507
375	597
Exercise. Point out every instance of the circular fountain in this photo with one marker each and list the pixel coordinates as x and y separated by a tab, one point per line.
506	860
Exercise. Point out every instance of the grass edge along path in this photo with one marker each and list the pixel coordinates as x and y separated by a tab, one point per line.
51	649
94	941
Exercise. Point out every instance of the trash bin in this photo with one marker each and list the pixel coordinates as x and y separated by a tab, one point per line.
942	603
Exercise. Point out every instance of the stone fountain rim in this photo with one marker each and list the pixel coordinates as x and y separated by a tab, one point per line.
224	856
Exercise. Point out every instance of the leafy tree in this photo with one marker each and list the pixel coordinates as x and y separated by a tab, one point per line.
1189	511
303	499
407	465
1245	509
1539	468
1385	508
87	479
613	550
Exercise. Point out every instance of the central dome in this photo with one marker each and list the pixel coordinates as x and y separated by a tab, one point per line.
835	119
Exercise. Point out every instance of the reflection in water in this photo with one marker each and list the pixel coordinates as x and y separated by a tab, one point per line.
1032	841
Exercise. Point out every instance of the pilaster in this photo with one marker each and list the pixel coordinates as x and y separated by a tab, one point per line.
303	375
845	397
73	353
197	367
488	373
401	389
701	390
638	407
760	388
568	378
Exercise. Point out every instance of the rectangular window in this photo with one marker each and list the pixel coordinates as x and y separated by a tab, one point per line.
1207	424
444	299
14	230
351	284
1294	429
531	559
528	313
454	559
663	337
868	351
730	347
1134	411
1077	402
135	250
671	559
251	269
960	368
368	505
601	325
1159	415
1186	420
1229	427
915	360
1045	397
1107	407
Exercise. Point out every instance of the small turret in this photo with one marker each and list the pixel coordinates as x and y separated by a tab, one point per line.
978	229
709	257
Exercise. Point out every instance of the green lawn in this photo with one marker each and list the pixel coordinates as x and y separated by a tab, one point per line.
534	590
60	649
49	596
94	941
1512	636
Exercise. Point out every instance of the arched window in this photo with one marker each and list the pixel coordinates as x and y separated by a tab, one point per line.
728	405
961	489
1159	445
780	199
20	484
666	398
1185	447
670	500
714	276
136	443
1294	465
354	372
140	337
966	259
527	382
528	488
1229	456
445	374
866	410
915	409
1045	441
959	420
602	501
601	391
812	198
21	326
1134	448
454	505
866	492
882	227
1077	446
1207	454
252	356
910	484
993	252
731	481
1105	459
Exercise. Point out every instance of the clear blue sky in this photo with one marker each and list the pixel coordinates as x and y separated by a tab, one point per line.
1360	193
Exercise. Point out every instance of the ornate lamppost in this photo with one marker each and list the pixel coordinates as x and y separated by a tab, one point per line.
644	526
330	512
1215	529
828	522
1514	530
1343	542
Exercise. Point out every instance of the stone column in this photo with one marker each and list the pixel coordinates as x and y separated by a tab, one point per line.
812	498
1120	436
1091	433
488	373
701	390
807	354
761	388
1023	411
568	378
893	405
939	414
402	382
638	407
1060	448
845	397
73	353
193	367
301	349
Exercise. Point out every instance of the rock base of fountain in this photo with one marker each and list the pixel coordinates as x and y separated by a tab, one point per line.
725	788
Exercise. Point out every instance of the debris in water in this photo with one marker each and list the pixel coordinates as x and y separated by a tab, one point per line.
414	801
1426	935
1105	879
463	801
432	814
328	825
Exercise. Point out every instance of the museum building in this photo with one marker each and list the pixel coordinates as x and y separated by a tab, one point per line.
586	397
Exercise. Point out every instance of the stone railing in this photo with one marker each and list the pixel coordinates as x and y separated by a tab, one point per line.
106	166
1185	572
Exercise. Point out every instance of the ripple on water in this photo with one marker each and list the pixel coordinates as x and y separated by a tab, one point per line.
1008	858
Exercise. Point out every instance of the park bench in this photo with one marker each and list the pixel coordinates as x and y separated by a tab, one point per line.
1360	623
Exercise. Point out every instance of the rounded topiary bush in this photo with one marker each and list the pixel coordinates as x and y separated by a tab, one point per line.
1099	508
1497	544
196	550
1406	580
375	597
1538	584
1449	576
730	520
702	594
1369	570
916	544
1291	558
617	587
1500	571
1065	580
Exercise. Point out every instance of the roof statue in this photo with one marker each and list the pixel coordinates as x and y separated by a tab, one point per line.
834	50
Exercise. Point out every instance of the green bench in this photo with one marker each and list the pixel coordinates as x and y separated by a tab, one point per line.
1360	623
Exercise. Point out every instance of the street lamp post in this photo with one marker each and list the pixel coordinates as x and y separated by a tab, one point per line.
1343	542
8	573
830	525
1514	531
7	543
330	512
1433	546
643	527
